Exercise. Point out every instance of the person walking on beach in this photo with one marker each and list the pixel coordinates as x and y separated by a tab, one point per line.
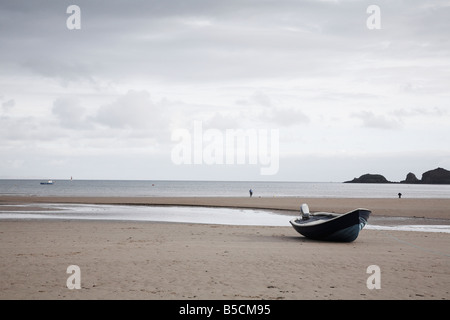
251	192
399	195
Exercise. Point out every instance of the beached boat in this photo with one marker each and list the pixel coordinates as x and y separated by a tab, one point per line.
331	226
47	182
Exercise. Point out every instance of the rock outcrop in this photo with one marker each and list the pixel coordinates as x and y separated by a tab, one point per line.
369	178
410	178
436	176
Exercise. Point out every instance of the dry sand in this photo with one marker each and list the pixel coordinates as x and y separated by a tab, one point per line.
145	260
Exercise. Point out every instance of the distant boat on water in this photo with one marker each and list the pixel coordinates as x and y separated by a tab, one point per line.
47	182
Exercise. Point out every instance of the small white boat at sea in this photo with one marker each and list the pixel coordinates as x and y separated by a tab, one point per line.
47	182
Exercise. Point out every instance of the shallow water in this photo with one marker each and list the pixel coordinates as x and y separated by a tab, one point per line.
185	214
192	214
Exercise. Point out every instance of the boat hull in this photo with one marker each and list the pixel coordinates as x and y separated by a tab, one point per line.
332	227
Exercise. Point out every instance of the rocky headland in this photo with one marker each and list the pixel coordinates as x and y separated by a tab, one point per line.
436	176
369	178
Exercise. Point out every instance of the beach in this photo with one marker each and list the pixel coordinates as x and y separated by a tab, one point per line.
157	260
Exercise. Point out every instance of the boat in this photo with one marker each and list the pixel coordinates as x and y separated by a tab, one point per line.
47	182
329	226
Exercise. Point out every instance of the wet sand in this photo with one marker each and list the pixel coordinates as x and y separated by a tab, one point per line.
427	208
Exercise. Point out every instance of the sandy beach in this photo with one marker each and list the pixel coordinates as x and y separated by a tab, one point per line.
147	260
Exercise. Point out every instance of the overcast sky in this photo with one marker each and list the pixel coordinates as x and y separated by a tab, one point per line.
104	101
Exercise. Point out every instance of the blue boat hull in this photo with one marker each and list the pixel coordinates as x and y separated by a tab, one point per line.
332	227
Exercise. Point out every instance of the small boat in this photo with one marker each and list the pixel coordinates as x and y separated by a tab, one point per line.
331	226
47	182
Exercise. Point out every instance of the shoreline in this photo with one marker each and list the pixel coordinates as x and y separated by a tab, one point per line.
392	207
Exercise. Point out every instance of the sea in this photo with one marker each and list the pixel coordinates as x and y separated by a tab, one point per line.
227	216
165	188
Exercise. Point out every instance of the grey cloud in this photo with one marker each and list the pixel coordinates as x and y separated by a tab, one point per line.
8	104
261	99
70	113
198	40
131	116
272	112
289	116
22	130
223	121
133	110
202	54
420	112
161	38
377	121
64	71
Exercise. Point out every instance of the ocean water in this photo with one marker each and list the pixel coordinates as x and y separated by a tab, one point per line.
140	188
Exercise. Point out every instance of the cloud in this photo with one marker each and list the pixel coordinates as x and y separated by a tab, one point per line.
288	117
65	71
176	41
8	105
70	113
377	121
132	110
223	121
261	99
265	109
134	116
21	131
231	64
420	112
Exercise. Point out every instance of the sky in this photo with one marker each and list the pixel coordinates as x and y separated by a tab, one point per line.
320	91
